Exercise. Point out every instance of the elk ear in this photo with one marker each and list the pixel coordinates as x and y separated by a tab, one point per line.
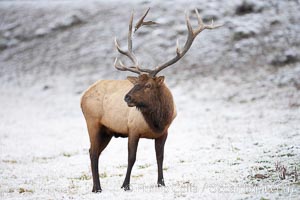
160	80
132	79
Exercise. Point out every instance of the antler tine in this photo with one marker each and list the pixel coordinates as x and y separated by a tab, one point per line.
188	24
130	33
200	21
203	26
177	47
141	21
212	26
129	53
126	53
192	34
120	66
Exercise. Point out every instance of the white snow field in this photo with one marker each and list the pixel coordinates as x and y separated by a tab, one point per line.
237	91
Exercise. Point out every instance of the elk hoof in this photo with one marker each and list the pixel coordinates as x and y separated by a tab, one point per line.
98	190
161	183
126	187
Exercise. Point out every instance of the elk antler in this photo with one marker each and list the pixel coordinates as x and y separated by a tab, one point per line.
129	53
142	23
192	34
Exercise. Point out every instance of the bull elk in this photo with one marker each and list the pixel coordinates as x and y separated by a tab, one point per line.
139	107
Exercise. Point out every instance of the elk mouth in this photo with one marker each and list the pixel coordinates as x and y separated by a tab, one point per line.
130	104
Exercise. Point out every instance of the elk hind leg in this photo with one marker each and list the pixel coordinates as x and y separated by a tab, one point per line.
99	139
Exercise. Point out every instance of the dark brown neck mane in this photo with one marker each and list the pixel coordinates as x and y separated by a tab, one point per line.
159	113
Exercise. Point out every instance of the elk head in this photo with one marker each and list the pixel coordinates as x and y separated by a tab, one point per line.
147	86
144	91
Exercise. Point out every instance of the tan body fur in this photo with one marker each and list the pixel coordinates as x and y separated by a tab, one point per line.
103	104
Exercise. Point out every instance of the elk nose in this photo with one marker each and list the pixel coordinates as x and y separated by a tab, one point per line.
127	98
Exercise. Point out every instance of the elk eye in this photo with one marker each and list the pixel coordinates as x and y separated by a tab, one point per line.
148	85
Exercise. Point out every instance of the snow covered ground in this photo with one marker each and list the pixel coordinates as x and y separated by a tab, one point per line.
237	93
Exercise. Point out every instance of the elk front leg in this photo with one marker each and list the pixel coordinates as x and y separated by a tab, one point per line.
132	147
159	149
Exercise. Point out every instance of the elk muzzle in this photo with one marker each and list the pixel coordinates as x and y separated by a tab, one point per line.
128	100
